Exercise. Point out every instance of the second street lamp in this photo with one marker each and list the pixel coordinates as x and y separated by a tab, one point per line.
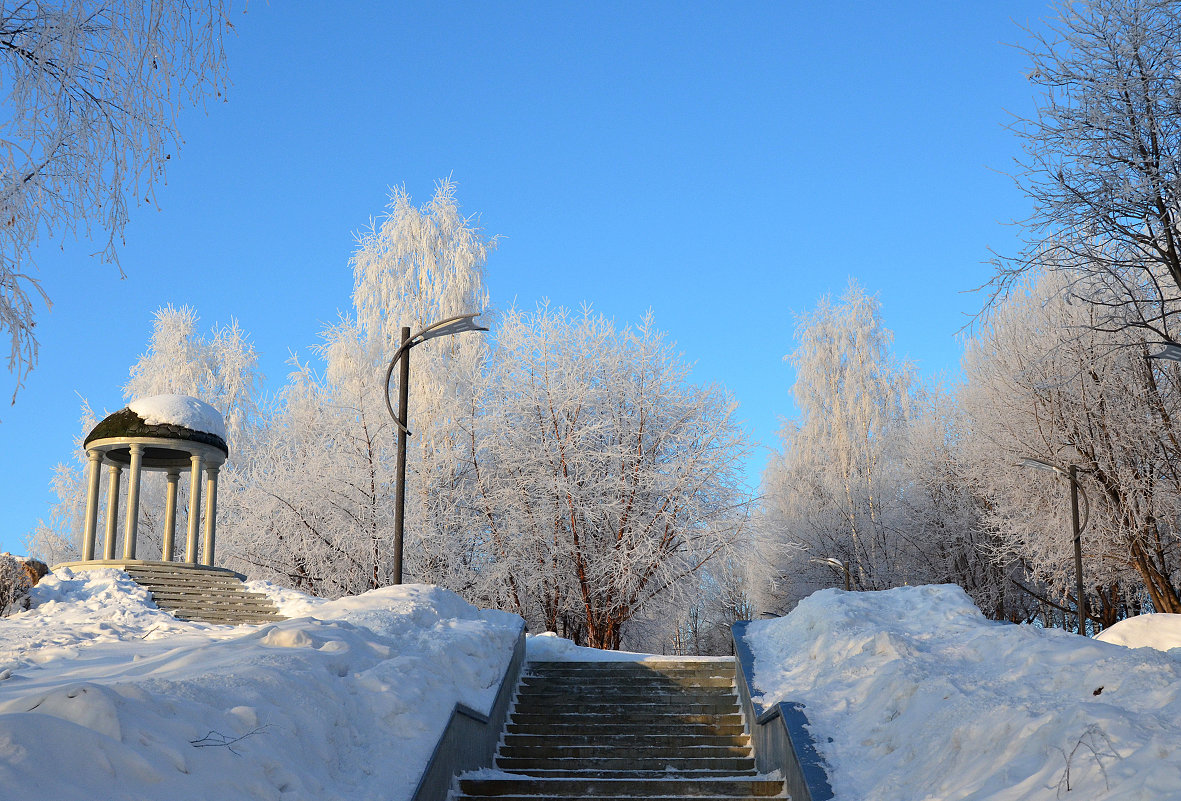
1071	475
452	325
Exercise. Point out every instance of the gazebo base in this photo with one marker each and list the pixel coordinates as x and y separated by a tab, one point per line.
123	564
193	592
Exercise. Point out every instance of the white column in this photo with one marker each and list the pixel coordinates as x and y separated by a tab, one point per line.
194	510
131	526
173	478
93	476
113	473
210	513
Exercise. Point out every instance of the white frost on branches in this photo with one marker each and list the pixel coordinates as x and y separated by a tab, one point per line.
92	90
605	477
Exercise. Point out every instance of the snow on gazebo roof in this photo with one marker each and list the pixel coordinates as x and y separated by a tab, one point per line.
178	417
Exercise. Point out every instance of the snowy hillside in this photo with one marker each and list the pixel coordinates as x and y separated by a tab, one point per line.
923	698
104	697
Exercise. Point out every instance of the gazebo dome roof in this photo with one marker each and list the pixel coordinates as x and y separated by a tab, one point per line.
164	417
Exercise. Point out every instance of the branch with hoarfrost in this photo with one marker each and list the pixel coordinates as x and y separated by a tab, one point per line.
93	91
1102	163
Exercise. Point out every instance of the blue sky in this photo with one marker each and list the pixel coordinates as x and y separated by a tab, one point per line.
723	165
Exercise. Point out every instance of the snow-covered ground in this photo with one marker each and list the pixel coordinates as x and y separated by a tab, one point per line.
102	696
925	699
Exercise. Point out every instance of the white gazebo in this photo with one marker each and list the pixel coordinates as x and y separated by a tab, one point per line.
165	433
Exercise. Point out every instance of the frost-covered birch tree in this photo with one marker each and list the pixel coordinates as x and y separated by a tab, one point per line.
92	91
605	477
1102	162
828	493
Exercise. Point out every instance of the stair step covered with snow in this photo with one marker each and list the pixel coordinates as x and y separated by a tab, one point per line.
203	596
654	730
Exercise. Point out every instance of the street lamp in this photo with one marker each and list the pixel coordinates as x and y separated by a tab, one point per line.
1071	475
452	325
1170	351
836	564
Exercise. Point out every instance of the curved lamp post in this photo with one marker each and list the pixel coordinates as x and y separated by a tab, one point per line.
1071	475
452	325
836	564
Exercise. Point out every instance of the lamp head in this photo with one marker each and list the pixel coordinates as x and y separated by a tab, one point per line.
1169	352
452	325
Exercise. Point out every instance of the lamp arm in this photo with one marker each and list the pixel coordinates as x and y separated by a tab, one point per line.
389	373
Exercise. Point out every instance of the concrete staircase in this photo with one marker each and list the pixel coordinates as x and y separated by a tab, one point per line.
624	731
204	596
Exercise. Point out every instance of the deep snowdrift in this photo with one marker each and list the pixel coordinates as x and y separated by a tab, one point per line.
926	699
1160	631
103	696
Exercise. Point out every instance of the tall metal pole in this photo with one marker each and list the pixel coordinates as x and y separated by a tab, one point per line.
400	485
1078	552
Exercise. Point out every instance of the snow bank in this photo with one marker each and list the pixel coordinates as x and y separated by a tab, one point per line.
1160	631
923	698
180	410
104	696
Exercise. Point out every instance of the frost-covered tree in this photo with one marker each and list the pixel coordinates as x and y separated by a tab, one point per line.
1043	383
870	487
829	492
220	369
1102	162
92	91
606	479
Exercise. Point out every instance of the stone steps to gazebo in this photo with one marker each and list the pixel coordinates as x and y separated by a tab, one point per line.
202	594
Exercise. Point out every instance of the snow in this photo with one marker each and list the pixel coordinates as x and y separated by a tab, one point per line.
180	410
104	696
924	698
1160	631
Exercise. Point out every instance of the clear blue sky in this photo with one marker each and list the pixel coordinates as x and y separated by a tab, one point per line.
723	165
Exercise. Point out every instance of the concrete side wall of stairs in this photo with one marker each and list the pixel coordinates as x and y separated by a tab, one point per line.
470	739
779	733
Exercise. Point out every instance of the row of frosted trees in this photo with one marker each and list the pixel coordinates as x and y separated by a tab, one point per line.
904	483
563	467
567	469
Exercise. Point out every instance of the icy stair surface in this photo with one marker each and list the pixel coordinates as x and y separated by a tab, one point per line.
203	596
652	730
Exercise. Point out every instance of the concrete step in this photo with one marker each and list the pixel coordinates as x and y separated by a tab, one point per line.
226	612
679	763
631	740
627	718
211	598
186	577
719	707
630	751
658	773
615	728
613	798
623	698
677	669
655	682
208	614
598	788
